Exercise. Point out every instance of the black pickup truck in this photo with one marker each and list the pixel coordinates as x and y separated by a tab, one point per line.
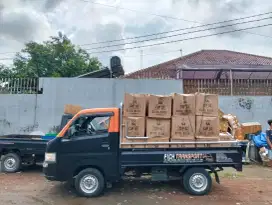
16	150
90	155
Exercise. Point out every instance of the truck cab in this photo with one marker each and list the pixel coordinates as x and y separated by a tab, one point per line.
83	143
87	151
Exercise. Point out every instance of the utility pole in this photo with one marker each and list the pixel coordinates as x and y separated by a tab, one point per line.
180	52
141	59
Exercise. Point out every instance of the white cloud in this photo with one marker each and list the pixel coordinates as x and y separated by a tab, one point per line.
87	23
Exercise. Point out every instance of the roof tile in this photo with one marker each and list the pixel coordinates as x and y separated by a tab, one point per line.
168	69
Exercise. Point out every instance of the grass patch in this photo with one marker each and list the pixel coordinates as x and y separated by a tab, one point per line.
231	174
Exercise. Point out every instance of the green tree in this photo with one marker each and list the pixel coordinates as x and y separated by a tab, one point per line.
57	57
5	72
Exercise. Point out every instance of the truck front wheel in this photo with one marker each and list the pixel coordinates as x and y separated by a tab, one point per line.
90	182
197	181
11	163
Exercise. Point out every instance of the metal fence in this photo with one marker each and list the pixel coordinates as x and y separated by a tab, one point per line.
19	85
229	87
234	87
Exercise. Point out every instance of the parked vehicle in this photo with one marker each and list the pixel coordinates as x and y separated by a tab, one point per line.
91	157
16	150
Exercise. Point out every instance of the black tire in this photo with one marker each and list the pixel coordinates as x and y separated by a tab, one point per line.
203	176
96	177
11	163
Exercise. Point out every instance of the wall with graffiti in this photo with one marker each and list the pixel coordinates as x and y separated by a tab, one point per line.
248	108
18	114
41	113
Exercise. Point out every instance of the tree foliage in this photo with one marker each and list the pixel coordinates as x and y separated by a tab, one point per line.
57	57
5	72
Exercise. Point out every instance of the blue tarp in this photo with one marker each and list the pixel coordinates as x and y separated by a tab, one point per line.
260	140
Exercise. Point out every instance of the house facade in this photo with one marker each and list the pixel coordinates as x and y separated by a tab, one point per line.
222	72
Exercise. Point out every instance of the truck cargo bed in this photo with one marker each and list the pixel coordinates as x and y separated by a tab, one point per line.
215	157
25	144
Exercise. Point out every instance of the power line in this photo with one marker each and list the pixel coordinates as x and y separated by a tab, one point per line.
6	59
198	37
122	8
182	29
261	14
117	7
153	54
186	39
125	56
190	32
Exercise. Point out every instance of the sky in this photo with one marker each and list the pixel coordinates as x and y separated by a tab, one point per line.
89	22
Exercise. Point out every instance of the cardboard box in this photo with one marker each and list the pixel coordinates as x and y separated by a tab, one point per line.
226	137
133	126
238	133
158	128
207	127
222	137
135	105
125	140
207	104
159	106
183	127
140	145
192	145
72	109
183	104
158	139
233	121
207	144
251	127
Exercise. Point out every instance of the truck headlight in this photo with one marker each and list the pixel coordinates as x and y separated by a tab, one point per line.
50	157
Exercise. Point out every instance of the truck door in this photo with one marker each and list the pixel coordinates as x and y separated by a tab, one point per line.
88	142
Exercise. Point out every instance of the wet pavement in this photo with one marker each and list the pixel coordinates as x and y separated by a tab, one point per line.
253	186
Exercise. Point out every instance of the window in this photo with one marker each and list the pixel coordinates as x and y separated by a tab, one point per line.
90	125
100	123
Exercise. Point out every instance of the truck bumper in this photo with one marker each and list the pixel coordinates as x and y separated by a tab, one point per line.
49	171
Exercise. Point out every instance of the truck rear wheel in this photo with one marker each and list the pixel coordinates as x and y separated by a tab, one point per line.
89	183
11	163
197	181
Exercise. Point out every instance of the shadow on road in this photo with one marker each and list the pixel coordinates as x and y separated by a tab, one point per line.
32	169
125	187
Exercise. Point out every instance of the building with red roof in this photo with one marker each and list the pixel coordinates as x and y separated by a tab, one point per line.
216	71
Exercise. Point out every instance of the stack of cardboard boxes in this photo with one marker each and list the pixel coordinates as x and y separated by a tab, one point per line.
175	118
134	118
158	123
207	119
183	120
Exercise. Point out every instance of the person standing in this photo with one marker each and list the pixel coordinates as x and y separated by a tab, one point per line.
269	141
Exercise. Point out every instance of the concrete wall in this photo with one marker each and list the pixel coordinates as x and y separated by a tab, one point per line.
42	112
17	113
248	108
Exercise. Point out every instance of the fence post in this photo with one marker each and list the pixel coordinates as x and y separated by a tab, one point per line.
231	83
